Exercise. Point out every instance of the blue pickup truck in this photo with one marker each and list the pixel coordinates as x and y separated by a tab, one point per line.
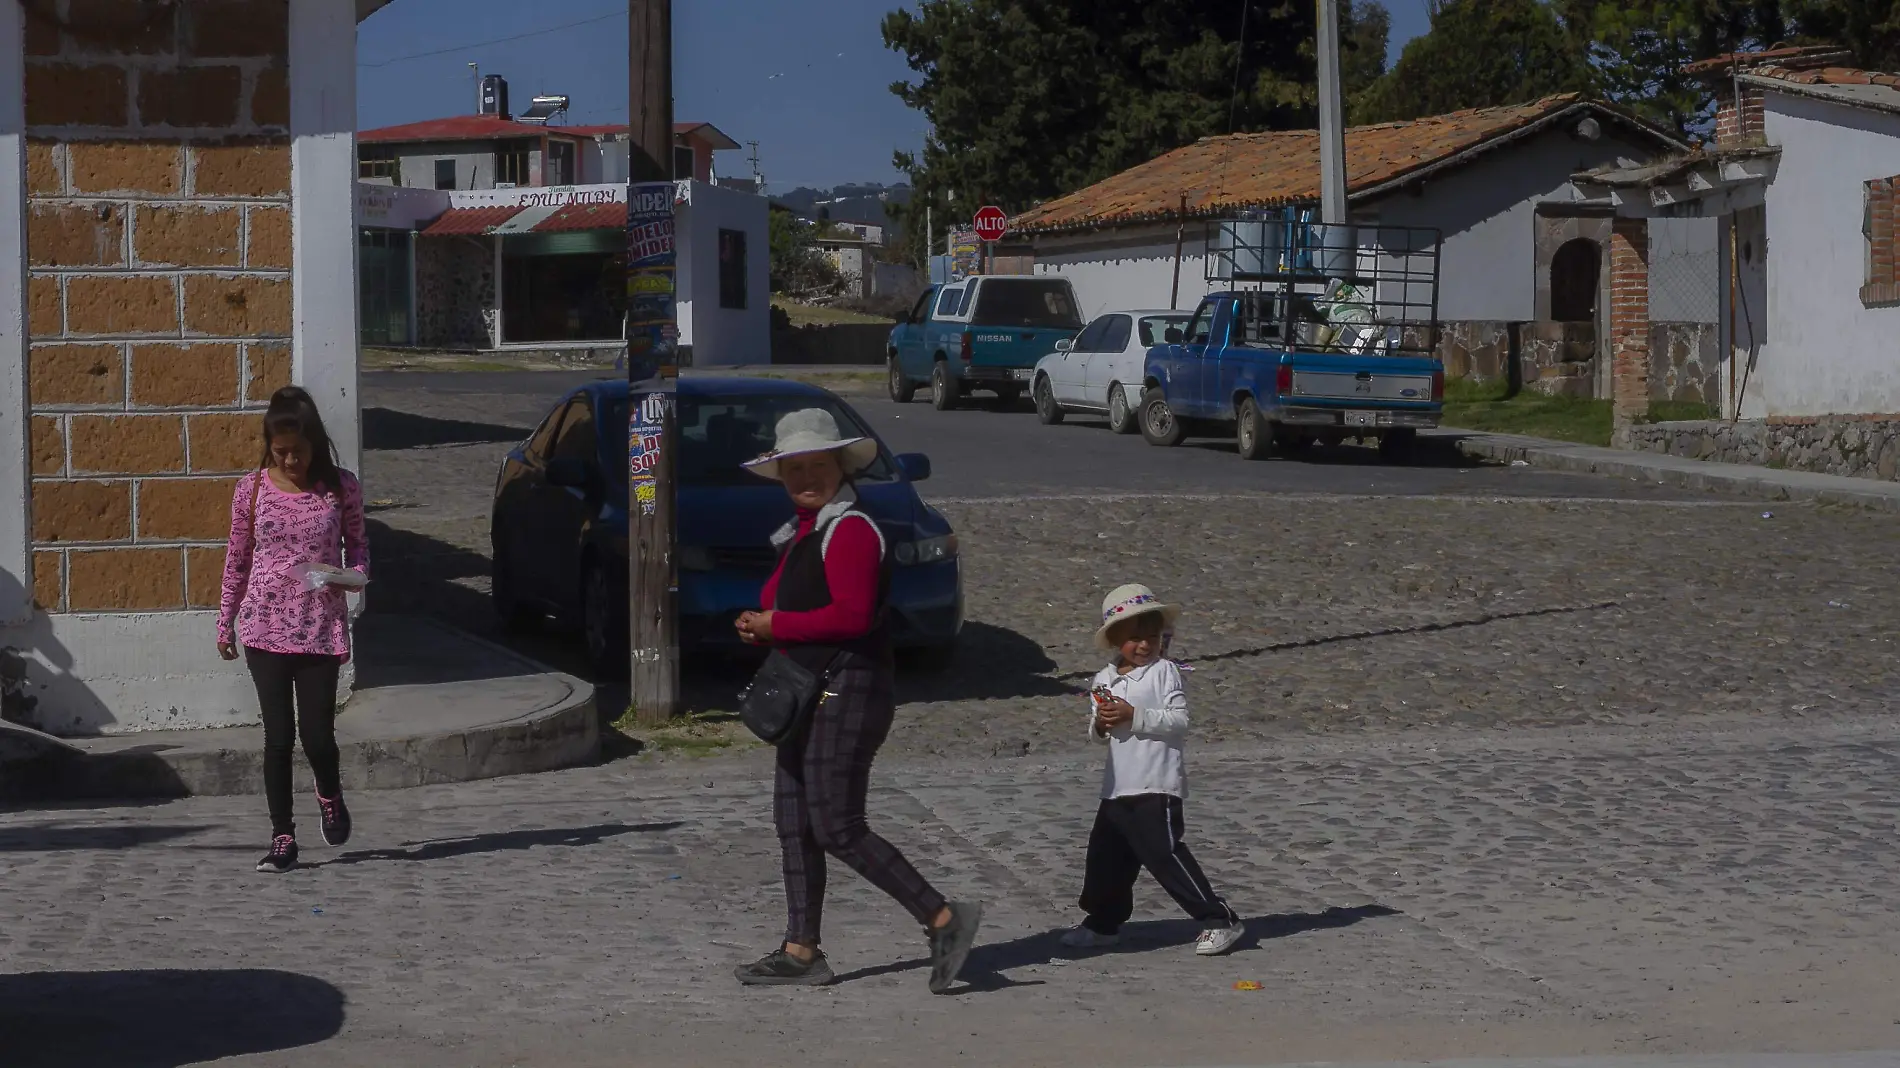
981	333
1304	358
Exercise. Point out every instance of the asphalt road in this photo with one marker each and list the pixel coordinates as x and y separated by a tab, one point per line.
980	452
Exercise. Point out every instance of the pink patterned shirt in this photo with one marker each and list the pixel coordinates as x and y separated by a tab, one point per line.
265	603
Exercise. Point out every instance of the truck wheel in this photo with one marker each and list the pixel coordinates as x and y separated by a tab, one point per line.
902	388
1253	436
1158	424
1397	446
1120	419
1047	409
944	390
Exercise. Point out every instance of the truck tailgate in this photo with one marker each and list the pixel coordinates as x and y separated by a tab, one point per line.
1013	346
1362	379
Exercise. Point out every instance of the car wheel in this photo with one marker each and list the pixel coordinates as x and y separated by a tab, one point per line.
503	593
944	390
902	388
1158	424
1253	436
1047	409
1397	446
602	629
1120	419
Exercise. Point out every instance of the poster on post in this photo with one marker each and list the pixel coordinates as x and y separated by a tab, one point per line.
966	254
643	451
652	332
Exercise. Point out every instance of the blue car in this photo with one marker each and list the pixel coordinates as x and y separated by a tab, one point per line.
559	522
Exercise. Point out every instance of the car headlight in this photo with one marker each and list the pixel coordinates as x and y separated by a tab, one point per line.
695	558
927	551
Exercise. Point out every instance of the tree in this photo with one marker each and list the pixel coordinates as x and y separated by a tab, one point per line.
798	267
1639	47
1478	53
1365	33
1031	99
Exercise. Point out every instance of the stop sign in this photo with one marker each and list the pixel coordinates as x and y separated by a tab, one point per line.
991	222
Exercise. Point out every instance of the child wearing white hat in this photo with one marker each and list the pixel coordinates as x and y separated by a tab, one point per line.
1140	709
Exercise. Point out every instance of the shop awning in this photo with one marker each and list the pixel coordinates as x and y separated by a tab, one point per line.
469	221
536	220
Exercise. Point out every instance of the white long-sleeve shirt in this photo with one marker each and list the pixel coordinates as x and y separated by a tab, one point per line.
1145	755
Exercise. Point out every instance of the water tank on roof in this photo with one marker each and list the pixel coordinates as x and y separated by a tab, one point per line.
494	95
1245	248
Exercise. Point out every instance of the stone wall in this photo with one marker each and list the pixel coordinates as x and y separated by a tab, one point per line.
1684	362
1559	358
1477	349
159	290
455	292
1860	447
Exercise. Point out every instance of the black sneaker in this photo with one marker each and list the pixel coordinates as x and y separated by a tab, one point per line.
779	968
336	819
950	945
282	856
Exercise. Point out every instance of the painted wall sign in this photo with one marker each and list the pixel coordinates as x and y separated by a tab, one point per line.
553	196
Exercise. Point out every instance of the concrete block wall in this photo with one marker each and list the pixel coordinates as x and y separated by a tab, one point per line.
159	241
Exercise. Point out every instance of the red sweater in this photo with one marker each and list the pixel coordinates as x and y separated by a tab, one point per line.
853	564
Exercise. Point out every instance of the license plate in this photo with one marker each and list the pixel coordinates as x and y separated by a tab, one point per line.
1362	418
1021	374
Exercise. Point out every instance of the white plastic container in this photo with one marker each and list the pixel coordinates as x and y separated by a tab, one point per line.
317	576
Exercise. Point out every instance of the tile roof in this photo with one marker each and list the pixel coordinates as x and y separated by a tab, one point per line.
585	217
567	218
469	220
1788	56
1223	174
494	127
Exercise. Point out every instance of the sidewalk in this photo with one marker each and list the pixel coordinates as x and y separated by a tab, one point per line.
431	705
1703	475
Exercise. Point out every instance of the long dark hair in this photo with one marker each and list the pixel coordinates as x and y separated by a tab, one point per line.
292	411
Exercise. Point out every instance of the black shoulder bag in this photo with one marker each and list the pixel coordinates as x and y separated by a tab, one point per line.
782	697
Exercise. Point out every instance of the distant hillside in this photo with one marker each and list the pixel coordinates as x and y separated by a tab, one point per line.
854	203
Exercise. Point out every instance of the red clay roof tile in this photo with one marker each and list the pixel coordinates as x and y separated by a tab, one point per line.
469	220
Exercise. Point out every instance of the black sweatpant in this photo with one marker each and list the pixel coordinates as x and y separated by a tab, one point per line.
309	679
818	800
1144	831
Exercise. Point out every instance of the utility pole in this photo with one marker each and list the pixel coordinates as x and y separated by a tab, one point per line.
652	333
1332	120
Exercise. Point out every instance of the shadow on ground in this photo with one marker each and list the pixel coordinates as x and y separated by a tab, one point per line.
987	964
159	1019
499	842
1429	452
58	838
386	428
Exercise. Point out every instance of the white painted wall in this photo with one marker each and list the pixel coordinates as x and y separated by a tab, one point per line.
16	542
722	336
1824	354
1127	268
114	674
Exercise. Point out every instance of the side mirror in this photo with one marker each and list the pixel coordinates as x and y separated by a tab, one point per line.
1065	345
1172	335
571	473
915	465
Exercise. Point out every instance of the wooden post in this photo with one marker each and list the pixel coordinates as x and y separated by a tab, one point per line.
1180	232
652	334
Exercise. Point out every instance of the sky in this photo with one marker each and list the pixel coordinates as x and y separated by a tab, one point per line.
807	79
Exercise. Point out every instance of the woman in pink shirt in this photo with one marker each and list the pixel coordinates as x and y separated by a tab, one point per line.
297	510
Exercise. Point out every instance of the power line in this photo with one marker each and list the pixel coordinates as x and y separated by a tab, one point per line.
499	40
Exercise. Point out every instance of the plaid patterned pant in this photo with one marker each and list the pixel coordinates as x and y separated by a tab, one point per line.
818	804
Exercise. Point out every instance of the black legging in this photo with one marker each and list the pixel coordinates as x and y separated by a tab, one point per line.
311	678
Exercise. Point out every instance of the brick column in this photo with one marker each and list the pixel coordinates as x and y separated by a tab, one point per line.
1629	322
159	293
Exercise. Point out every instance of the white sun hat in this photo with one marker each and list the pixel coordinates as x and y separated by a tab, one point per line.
1127	602
812	430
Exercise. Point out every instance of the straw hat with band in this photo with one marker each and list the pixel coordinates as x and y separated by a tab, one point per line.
1127	602
812	430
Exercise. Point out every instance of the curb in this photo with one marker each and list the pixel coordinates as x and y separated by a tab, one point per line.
564	733
1700	475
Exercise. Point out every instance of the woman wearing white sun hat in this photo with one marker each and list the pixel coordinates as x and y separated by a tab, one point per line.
824	608
1140	709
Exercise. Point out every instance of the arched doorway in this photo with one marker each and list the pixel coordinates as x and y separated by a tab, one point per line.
1573	281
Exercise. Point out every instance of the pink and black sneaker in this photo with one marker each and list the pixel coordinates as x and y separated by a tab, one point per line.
282	856
336	819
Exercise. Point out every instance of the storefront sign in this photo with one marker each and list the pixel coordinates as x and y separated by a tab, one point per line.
389	207
557	196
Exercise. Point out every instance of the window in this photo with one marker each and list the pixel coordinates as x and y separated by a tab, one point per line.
732	269
1154	329
718	434
378	161
511	167
1027	302
543	437
560	169
683	161
445	174
1119	327
922	309
1090	339
577	440
1877	228
951	299
1200	325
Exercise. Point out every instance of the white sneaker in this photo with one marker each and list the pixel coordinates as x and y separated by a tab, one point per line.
1217	940
1081	937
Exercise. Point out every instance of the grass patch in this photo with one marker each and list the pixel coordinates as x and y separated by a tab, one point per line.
1484	406
699	734
1680	412
815	315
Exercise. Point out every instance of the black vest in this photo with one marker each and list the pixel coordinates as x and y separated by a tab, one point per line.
802	587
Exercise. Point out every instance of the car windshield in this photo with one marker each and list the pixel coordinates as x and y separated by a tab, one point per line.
1154	328
1027	302
718	434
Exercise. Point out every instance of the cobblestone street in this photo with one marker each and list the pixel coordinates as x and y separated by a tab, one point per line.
1514	765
